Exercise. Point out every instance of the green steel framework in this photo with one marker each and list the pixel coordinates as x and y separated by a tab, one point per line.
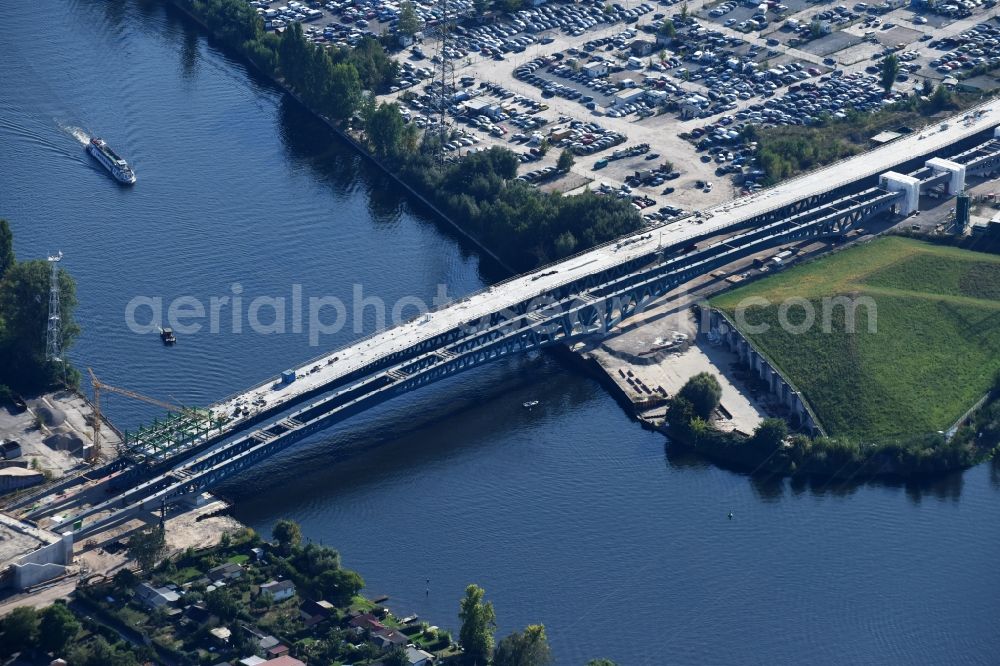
161	438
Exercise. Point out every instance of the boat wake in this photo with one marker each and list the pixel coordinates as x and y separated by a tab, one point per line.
77	133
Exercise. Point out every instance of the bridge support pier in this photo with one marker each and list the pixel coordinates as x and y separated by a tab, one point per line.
956	182
910	186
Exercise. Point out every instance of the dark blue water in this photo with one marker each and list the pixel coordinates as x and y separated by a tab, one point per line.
570	514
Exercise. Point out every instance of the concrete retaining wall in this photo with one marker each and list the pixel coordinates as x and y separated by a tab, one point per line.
44	563
779	387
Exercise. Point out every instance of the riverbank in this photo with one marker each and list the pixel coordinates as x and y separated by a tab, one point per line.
348	138
691	422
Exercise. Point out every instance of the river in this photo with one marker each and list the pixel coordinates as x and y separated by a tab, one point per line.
568	514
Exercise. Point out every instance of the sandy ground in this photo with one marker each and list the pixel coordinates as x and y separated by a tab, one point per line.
77	413
618	355
184	529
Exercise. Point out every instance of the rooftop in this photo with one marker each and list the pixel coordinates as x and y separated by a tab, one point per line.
17	538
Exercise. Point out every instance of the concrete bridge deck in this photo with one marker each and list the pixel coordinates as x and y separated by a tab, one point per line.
593	290
328	370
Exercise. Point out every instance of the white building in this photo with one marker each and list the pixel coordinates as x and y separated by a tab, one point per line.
595	69
279	590
629	96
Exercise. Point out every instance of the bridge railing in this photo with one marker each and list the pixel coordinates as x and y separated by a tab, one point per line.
734	205
730	206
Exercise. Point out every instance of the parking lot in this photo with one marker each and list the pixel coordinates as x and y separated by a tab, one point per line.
600	79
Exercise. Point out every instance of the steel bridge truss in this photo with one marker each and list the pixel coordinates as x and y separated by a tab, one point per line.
578	310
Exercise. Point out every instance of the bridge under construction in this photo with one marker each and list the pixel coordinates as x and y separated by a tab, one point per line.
579	297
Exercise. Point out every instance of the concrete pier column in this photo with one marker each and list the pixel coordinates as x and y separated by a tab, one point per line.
956	182
910	186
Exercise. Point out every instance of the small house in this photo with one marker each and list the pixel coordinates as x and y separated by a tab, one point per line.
641	47
279	590
418	657
691	106
198	613
285	660
223	572
278	650
628	96
313	612
221	634
595	69
252	660
156	597
10	449
389	638
366	622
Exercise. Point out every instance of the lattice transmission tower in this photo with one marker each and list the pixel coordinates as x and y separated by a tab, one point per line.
53	332
445	71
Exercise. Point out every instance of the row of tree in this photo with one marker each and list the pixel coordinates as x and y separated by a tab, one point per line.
520	648
329	80
771	449
24	303
50	631
522	225
783	152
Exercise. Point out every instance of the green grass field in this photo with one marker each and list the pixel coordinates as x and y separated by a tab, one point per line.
934	351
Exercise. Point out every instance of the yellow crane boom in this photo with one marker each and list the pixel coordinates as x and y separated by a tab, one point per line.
101	386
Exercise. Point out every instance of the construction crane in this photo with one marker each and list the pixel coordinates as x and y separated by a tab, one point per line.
101	386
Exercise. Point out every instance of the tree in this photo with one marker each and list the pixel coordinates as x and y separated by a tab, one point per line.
815	29
566	160
565	244
386	130
409	22
769	435
926	88
241	640
146	546
684	11
6	248
940	99
125	579
480	7
668	29
888	71
479	624
340	585
314	559
222	603
527	648
375	68
396	657
57	629
703	392
288	535
99	652
20	628
680	413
